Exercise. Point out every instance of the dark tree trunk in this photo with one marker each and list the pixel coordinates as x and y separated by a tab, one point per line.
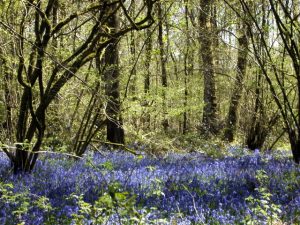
210	120
147	117
8	97
258	131
163	61
295	145
188	68
232	115
114	126
148	61
257	136
55	21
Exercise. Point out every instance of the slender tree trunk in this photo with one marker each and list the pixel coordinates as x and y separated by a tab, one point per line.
210	115
8	104
133	74
133	88
8	78
232	115
188	68
148	61
148	74
163	61
55	21
7	83
114	126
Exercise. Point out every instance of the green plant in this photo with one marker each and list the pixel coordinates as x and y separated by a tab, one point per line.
113	203
263	209
22	202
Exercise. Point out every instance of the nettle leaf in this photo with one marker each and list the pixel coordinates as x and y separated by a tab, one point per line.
105	200
108	165
121	197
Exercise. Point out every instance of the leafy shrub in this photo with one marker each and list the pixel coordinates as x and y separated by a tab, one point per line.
16	208
111	205
262	209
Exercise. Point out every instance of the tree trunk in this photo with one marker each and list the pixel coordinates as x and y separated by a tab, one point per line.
133	87
257	135
232	115
8	97
8	105
210	115
188	68
295	145
163	61
258	129
148	61
146	120
114	125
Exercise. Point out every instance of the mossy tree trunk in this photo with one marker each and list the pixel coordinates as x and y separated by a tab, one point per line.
210	121
147	79
163	64
232	115
114	123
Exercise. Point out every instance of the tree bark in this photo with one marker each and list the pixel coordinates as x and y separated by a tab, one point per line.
295	145
210	120
232	116
114	124
188	68
163	62
133	86
147	117
8	97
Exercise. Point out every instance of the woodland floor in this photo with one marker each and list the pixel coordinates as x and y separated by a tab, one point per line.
119	188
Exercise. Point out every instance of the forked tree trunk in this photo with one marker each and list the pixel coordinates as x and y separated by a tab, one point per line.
256	136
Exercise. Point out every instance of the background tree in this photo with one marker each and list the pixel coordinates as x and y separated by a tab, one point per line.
243	42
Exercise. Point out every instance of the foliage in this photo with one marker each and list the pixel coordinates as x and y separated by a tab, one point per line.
20	207
111	206
262	209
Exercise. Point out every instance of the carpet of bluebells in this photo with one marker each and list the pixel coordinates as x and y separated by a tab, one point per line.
120	188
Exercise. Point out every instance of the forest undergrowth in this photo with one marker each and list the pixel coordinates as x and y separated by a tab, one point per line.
117	187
